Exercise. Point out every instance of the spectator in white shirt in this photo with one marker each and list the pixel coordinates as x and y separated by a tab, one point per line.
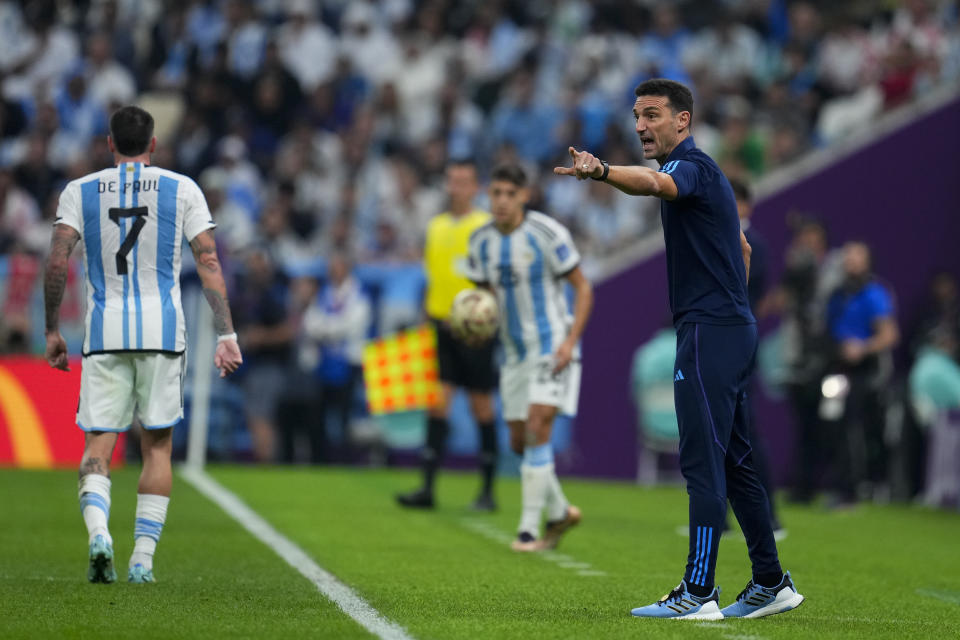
110	83
371	49
307	47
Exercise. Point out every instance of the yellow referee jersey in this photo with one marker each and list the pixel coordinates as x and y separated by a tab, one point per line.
448	239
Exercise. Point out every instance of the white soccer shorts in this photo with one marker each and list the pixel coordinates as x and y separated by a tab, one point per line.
112	385
533	382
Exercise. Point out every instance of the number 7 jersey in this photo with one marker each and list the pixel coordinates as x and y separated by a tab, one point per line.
130	219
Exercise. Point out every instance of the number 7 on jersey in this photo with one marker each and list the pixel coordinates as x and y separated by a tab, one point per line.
116	213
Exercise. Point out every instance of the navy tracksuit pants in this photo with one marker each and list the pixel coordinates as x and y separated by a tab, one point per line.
713	365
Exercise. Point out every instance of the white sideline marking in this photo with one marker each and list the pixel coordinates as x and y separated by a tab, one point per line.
552	556
728	636
328	584
950	597
563	561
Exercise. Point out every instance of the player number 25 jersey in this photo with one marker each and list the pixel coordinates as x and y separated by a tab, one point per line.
526	270
131	219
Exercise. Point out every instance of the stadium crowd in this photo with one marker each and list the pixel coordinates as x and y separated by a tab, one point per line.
322	128
327	124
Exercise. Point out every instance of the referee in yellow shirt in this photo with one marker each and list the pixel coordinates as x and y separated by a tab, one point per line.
471	368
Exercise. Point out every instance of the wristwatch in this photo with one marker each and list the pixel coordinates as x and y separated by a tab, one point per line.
606	172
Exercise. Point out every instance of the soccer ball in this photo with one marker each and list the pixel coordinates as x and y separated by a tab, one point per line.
474	316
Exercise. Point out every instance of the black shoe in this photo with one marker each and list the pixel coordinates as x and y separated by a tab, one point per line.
484	502
419	499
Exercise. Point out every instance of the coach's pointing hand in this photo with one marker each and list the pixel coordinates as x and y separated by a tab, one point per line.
585	165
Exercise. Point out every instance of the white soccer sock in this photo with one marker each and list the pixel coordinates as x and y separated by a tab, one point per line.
151	514
557	503
94	493
535	483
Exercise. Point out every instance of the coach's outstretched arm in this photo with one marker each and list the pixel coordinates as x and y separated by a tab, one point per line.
62	242
635	181
582	305
632	180
227	358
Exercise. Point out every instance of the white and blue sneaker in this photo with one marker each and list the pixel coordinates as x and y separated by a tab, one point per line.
680	604
756	601
138	574
101	562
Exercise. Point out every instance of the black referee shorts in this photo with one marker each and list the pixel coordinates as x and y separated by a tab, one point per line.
464	366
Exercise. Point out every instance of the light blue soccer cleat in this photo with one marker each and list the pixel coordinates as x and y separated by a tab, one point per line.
101	562
680	604
756	601
139	574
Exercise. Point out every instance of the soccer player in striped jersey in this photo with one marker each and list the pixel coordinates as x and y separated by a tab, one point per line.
130	218
525	257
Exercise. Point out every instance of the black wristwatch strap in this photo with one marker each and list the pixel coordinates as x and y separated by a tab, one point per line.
606	171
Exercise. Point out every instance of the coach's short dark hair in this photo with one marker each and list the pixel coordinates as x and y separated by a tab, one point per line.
678	96
510	172
131	129
741	190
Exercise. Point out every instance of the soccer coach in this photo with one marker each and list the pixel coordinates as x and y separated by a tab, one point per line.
707	267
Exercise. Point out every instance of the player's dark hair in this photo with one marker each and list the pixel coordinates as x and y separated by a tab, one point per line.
741	190
466	163
510	172
678	96
131	129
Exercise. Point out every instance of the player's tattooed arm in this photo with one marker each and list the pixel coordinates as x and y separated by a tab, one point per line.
221	311
63	241
211	276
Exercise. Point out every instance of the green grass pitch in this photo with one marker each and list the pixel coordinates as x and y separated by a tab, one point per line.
874	572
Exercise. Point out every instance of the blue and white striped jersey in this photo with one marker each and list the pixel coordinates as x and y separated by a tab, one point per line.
131	218
526	270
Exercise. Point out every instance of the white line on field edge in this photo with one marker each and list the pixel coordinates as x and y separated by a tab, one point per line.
951	597
563	561
727	636
328	584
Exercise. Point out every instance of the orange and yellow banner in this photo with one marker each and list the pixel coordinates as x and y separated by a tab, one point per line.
400	371
38	409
